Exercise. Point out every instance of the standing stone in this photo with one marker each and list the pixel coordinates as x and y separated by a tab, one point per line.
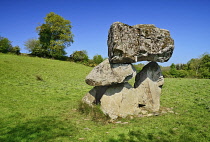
107	74
119	101
149	82
143	42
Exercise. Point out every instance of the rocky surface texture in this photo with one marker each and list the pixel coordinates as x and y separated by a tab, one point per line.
149	82
121	100
108	74
143	42
128	44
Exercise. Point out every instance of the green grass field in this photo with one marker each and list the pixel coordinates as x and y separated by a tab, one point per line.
39	102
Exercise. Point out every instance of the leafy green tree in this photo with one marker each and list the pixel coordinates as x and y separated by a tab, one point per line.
33	46
205	61
79	56
173	70
194	64
205	66
55	35
98	59
15	50
181	73
5	45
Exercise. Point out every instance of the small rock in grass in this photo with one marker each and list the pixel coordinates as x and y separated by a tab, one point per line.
150	114
163	112
156	114
171	111
174	129
144	112
88	129
140	115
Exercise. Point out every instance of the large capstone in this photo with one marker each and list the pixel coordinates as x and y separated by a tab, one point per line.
143	42
107	74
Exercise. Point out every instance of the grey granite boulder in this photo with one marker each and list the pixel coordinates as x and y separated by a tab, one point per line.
144	42
107	74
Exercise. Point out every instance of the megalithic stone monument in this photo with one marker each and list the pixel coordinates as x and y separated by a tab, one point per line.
126	45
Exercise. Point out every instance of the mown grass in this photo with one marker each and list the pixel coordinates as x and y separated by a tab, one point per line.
39	101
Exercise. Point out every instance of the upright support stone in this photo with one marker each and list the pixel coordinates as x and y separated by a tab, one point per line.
148	83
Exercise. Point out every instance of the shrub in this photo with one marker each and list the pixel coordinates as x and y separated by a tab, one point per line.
97	59
79	56
15	50
181	73
5	45
166	74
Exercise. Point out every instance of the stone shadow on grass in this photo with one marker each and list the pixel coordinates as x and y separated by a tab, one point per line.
41	129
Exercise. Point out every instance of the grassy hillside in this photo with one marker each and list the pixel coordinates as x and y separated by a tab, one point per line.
39	102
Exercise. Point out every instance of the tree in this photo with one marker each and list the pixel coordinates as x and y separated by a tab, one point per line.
98	59
205	66
205	61
79	56
173	70
194	64
33	46
15	50
181	73
55	35
5	45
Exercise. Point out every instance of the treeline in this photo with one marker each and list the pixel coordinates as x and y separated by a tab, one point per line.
35	51
195	68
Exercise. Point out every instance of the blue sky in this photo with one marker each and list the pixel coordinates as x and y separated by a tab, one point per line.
187	20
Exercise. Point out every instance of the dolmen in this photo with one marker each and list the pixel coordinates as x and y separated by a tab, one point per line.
127	45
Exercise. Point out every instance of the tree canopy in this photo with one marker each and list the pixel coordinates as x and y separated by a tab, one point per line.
79	56
98	59
55	35
5	45
33	46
